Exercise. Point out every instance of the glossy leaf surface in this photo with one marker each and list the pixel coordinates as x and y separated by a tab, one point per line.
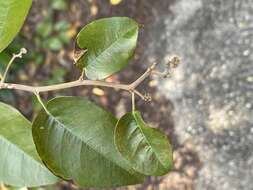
76	142
146	148
12	17
110	43
19	162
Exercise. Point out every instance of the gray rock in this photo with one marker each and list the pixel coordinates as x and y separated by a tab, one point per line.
212	90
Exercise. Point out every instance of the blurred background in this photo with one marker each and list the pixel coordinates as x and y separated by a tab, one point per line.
206	108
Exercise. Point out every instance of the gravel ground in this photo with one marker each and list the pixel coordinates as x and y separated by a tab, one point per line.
212	90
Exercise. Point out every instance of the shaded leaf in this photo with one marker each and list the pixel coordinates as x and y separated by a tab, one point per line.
110	43
76	142
12	16
19	162
146	148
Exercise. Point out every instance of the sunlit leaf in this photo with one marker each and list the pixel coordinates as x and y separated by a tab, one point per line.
12	17
110	43
19	162
146	148
76	142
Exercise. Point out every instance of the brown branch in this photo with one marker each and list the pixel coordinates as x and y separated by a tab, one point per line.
39	89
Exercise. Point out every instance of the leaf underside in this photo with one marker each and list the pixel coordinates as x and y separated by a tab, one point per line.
20	165
12	17
110	43
76	142
146	148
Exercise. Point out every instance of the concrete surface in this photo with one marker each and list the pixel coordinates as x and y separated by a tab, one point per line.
212	91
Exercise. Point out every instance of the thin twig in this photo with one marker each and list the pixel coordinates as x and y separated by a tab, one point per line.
41	103
133	101
142	77
40	89
139	94
14	56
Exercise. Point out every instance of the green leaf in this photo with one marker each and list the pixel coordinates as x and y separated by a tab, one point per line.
110	42
62	26
76	142
64	38
19	162
45	28
146	148
53	43
12	16
60	5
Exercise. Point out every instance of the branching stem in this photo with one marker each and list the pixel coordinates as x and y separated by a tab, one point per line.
39	89
80	82
19	55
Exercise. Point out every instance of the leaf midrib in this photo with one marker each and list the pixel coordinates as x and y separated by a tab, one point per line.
112	44
149	142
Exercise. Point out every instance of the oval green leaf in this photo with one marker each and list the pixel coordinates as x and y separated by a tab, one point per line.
76	142
110	43
20	165
12	17
146	148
